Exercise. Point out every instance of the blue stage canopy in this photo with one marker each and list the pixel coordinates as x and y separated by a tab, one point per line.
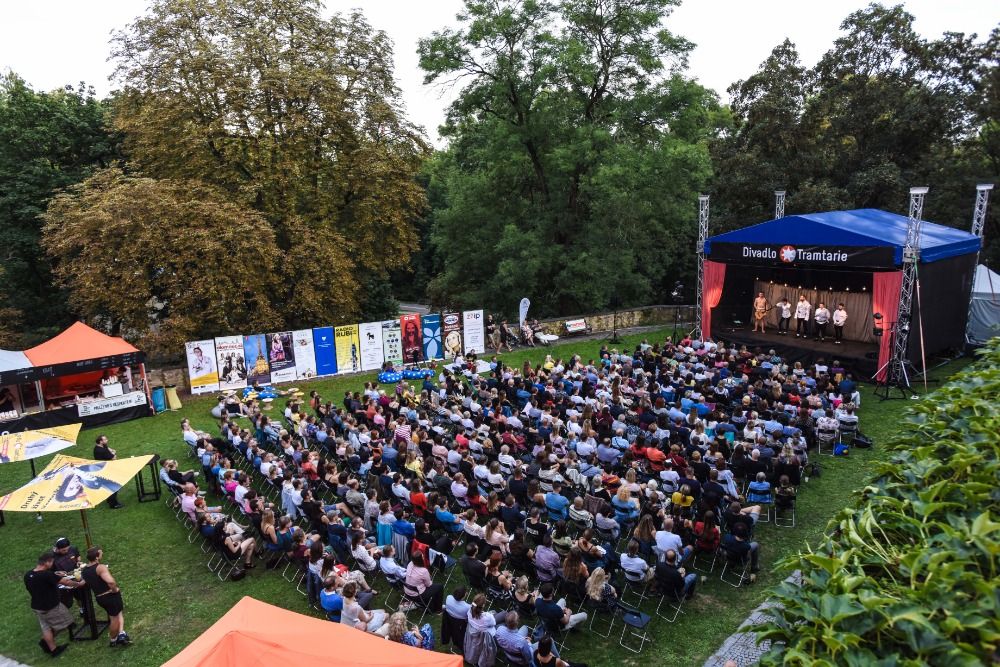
868	228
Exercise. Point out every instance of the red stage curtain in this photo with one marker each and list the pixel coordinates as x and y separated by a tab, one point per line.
715	276
885	300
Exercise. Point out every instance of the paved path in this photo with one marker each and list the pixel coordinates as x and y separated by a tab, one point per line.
7	662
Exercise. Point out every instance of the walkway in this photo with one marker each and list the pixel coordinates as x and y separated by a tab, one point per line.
7	662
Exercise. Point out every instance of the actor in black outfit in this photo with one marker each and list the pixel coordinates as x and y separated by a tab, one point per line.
104	453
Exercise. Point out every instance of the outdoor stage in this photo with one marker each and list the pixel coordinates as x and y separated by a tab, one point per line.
858	358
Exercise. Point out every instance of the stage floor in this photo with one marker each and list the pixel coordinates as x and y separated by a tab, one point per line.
859	358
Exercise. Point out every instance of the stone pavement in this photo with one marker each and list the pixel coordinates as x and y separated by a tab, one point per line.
7	662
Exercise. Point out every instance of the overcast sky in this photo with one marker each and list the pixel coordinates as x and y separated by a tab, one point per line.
54	42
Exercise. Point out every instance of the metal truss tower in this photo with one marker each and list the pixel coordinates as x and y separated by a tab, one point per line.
702	237
978	228
779	204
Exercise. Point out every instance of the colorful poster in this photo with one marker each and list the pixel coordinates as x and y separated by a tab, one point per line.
255	354
201	366
281	355
305	358
413	338
232	365
69	483
325	350
348	348
432	336
32	444
392	342
451	334
371	346
475	336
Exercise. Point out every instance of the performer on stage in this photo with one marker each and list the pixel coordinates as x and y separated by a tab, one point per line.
760	308
821	317
802	310
839	320
784	316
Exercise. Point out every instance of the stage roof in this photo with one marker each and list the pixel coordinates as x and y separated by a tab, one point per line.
861	227
78	343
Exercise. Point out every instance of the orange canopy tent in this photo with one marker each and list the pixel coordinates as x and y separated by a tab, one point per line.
77	343
256	633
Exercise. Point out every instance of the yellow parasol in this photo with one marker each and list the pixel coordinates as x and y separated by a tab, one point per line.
32	444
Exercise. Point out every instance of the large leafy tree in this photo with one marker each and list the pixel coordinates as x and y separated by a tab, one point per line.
577	149
292	114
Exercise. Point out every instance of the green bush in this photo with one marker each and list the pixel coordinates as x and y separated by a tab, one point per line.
908	575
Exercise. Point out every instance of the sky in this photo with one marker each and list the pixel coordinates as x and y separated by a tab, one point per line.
51	43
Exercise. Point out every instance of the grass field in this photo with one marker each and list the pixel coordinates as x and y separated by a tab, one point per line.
170	597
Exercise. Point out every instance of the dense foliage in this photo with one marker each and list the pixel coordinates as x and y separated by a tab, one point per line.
910	574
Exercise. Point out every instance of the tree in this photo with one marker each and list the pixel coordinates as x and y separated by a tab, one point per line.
162	261
48	140
291	114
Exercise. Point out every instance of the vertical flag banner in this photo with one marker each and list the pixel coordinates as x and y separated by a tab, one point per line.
392	342
281	354
305	357
522	311
348	348
432	336
232	362
202	367
451	332
413	338
255	353
371	345
475	336
325	350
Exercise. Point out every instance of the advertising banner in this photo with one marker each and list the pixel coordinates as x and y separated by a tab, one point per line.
475	336
348	348
97	406
281	354
432	336
325	350
255	354
32	444
202	370
413	338
371	345
522	311
776	254
232	365
451	334
305	358
392	342
69	483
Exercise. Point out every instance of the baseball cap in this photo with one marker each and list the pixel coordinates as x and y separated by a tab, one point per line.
62	543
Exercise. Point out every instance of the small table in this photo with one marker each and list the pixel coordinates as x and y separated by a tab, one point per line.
92	626
140	481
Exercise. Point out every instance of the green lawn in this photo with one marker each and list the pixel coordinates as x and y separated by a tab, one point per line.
170	597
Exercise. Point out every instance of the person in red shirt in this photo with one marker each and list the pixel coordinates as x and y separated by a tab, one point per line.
417	498
656	458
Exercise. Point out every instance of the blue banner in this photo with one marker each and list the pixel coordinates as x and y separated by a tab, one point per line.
432	336
325	350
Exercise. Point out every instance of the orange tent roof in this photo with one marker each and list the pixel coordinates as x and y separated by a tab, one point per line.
256	633
78	343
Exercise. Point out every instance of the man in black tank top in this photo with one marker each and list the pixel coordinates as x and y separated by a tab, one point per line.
105	589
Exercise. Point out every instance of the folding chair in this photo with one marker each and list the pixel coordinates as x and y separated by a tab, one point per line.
597	608
223	561
413	598
636	625
696	565
826	438
737	567
636	583
673	603
783	505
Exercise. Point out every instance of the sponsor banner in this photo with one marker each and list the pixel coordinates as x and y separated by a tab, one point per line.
202	367
255	354
68	483
96	407
325	350
371	345
392	342
475	336
575	326
432	336
348	348
413	338
522	311
32	444
232	362
281	355
777	254
451	334
305	358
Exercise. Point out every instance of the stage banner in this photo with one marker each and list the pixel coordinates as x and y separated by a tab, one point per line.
32	444
413	338
348	348
325	350
451	334
281	354
232	365
371	345
255	354
392	342
305	357
202	370
69	483
432	336
475	335
777	254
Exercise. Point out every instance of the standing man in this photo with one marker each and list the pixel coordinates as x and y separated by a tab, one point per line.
104	453
43	585
97	575
821	318
784	315
802	310
839	320
760	308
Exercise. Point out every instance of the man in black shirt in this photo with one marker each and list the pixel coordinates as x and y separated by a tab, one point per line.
535	529
43	585
474	569
104	453
672	580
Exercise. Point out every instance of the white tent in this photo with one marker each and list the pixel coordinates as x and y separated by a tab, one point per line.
984	317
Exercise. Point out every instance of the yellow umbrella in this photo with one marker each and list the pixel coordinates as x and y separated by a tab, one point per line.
32	444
